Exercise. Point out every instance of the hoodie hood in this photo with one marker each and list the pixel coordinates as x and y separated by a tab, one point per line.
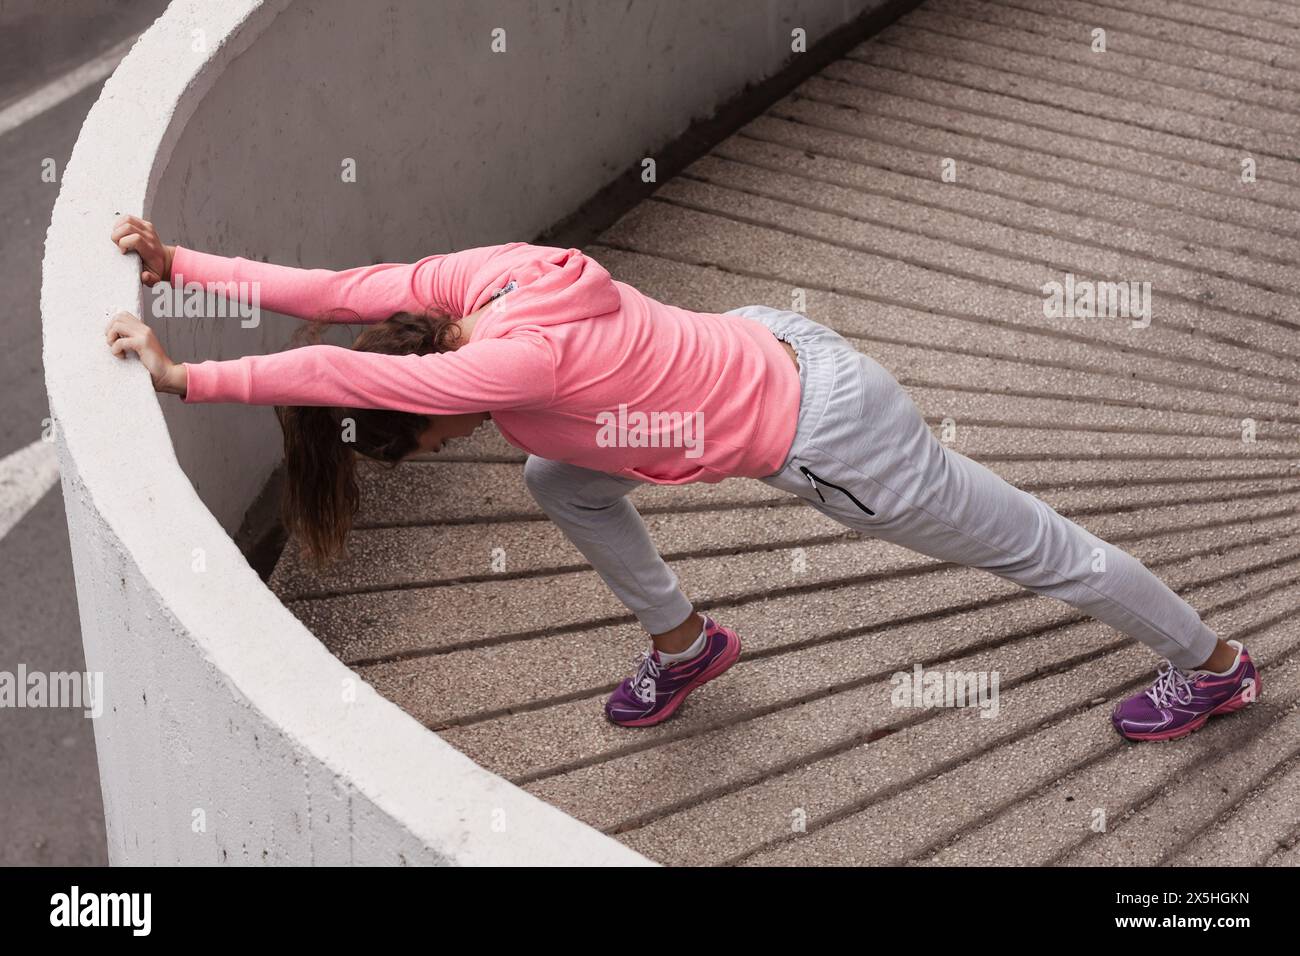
553	286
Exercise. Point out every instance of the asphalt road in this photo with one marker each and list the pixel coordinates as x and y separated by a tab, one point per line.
50	805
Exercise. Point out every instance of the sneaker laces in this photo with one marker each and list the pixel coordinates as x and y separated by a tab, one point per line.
1172	686
643	684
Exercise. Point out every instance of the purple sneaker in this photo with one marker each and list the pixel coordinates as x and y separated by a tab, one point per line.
657	690
1180	702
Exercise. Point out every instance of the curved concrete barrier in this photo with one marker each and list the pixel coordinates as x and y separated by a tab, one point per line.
229	733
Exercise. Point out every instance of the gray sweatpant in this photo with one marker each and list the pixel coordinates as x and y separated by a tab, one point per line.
864	456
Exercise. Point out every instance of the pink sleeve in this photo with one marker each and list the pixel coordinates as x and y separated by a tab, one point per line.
517	371
441	283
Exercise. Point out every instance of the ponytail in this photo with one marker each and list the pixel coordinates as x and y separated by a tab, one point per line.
320	489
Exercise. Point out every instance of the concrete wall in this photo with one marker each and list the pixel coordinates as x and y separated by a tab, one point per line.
229	733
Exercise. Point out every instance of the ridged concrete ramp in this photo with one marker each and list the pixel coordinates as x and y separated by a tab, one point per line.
1123	165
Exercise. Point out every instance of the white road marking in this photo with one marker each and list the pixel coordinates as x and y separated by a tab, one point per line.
63	87
25	476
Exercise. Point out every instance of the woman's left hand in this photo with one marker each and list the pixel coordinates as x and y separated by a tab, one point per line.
125	333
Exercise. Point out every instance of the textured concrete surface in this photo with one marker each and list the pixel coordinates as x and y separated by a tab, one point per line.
464	605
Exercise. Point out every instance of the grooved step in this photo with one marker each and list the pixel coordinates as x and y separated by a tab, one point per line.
838	266
524	746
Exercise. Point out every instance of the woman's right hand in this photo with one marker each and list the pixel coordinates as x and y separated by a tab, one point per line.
133	234
125	333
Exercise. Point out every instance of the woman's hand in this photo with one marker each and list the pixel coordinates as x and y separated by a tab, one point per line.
126	333
132	234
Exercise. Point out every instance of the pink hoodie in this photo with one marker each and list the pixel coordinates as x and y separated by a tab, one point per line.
705	396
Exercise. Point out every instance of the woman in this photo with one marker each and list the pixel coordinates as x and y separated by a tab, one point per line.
606	388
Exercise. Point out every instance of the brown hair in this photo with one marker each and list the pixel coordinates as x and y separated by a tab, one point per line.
321	496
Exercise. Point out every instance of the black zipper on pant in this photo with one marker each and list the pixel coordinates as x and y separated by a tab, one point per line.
815	478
